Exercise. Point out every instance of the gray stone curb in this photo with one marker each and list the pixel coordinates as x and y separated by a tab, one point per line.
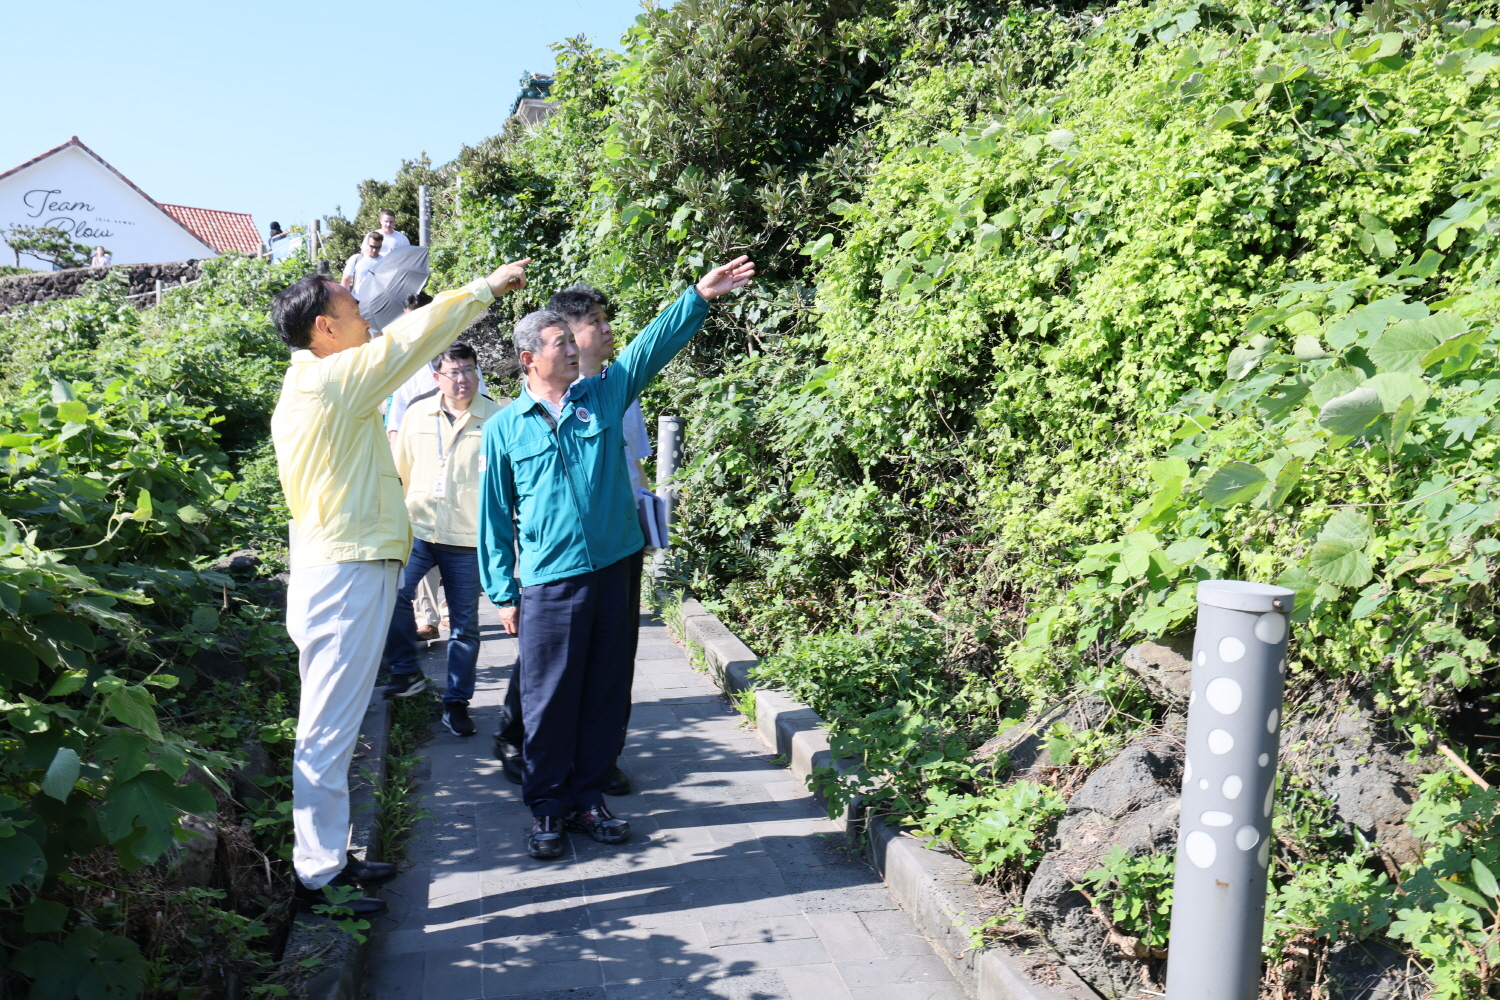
342	971
934	888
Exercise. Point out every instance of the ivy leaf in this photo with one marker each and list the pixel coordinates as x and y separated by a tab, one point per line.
135	707
1351	413
1286	481
62	774
144	810
1402	348
1235	483
1338	556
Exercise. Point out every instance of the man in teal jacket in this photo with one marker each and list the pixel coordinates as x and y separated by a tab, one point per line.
555	487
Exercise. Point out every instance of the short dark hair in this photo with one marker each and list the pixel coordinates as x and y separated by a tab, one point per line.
578	300
298	306
375	235
457	351
387	211
417	300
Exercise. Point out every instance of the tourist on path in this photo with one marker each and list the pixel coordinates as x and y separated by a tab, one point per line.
392	237
351	535
586	311
437	455
357	266
556	491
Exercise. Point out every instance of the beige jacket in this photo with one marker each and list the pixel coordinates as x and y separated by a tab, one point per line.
331	449
452	519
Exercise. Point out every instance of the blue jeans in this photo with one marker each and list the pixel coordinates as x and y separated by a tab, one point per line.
460	569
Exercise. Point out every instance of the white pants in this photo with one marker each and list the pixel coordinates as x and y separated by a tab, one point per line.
427	606
338	615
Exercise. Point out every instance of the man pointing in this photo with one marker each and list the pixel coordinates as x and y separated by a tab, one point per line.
352	535
556	488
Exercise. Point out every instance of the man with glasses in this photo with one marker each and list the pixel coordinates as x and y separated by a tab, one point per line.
437	452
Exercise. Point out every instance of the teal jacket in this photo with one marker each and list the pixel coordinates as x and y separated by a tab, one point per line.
568	491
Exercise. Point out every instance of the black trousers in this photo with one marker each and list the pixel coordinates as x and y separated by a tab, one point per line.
577	661
513	726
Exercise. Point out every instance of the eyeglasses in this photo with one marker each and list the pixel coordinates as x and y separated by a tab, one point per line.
462	373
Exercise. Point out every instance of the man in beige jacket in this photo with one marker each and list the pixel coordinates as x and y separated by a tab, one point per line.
352	535
437	452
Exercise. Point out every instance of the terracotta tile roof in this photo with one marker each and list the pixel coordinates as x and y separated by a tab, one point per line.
224	231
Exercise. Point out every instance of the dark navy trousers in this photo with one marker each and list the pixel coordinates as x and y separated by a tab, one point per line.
577	642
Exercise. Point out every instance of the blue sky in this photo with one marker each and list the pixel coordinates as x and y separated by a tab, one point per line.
276	108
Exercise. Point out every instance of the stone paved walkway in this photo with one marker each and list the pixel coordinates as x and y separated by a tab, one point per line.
734	886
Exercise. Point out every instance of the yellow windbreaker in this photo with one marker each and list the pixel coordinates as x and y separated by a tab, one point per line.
335	461
453	518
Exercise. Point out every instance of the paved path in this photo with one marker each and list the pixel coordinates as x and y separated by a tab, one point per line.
734	886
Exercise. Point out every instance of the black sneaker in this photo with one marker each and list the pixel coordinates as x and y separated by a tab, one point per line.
362	906
405	685
601	824
509	756
456	718
547	840
368	872
619	783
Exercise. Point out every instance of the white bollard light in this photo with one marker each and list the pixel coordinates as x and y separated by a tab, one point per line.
1228	787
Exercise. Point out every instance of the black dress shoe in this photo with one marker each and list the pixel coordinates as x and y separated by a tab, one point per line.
601	824
368	872
361	906
619	783
509	756
547	840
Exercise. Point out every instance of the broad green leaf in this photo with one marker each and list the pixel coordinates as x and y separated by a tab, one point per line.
135	707
127	750
67	683
146	808
1308	348
205	619
1242	359
1453	346
143	508
1235	483
1394	387
1402	348
1464	893
1171	468
818	248
21	861
1369	599
17	663
44	916
66	628
188	514
1135	562
74	411
1351	413
62	392
1485	880
62	774
1336	383
1286	481
1337	557
1187	551
1231	114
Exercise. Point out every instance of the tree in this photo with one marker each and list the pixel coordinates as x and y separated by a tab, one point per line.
49	243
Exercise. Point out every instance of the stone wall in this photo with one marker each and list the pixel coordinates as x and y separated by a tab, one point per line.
44	286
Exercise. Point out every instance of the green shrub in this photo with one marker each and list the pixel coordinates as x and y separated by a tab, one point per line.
1005	828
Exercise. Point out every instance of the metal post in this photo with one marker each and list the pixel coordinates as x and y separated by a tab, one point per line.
668	462
424	215
314	231
158	291
1228	784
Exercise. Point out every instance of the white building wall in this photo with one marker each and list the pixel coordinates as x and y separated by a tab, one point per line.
73	190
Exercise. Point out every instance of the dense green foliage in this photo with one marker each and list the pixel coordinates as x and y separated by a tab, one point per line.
120	436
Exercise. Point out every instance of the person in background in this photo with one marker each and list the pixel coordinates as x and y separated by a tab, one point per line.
351	536
275	233
393	238
101	257
586	311
556	501
358	265
437	455
427	606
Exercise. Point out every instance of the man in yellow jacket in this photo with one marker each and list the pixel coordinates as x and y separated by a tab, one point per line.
351	534
438	451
